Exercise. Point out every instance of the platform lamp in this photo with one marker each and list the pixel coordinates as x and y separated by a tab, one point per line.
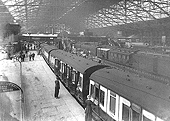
22	101
20	62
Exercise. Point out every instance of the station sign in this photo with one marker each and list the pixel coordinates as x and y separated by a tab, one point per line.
8	87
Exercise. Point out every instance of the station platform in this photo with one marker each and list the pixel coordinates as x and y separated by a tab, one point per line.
38	84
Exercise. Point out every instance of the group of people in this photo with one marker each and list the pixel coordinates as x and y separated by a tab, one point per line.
22	55
29	46
31	56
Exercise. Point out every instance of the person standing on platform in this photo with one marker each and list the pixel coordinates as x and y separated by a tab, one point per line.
22	57
30	56
57	87
88	109
33	55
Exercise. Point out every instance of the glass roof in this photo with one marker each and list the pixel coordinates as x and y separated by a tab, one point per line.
21	9
131	12
47	13
30	13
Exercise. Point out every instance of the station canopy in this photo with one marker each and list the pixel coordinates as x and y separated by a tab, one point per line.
77	15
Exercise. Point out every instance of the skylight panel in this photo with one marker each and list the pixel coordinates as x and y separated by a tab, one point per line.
8	2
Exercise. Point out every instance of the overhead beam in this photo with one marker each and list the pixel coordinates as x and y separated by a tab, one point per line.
156	4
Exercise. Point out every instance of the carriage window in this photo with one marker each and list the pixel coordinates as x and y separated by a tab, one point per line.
112	102
135	112
64	71
92	90
158	119
73	77
103	98
59	64
56	61
135	116
52	60
146	119
147	116
80	82
61	69
125	113
97	93
102	94
68	71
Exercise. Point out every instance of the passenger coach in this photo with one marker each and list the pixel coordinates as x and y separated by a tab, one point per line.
123	95
73	70
117	94
46	49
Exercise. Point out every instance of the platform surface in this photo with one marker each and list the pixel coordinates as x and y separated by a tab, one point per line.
38	86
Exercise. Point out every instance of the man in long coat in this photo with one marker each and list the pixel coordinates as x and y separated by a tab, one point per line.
57	88
88	109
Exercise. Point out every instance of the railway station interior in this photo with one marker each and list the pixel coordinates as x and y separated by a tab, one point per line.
111	57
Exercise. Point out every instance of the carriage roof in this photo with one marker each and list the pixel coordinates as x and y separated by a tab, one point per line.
48	48
152	95
79	63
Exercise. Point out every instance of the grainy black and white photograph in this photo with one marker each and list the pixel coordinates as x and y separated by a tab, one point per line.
84	60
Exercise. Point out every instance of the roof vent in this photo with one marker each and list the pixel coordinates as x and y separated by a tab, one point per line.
109	67
127	79
148	87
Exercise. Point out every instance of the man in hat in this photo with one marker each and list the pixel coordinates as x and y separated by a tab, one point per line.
57	87
88	109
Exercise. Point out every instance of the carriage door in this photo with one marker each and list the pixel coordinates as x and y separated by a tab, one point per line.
136	112
64	72
80	86
55	65
80	82
124	110
61	68
73	76
113	105
103	98
73	80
